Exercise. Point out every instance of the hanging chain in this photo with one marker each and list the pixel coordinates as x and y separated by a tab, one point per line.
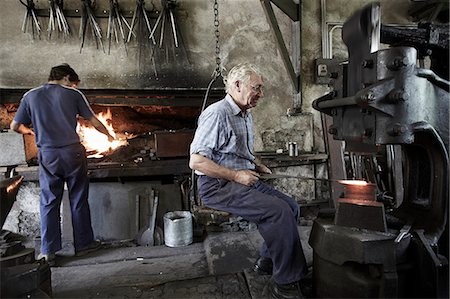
218	71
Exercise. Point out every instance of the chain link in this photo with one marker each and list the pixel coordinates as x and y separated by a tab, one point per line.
218	70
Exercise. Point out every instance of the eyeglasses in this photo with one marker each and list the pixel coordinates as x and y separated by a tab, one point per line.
258	88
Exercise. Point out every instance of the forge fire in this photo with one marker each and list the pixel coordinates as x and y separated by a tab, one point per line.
96	143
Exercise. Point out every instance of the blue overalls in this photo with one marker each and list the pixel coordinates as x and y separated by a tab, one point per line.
53	109
56	166
275	215
225	136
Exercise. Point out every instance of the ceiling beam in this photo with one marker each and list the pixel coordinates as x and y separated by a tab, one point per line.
289	7
266	4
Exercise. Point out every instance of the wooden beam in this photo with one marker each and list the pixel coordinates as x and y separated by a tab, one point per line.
295	79
289	8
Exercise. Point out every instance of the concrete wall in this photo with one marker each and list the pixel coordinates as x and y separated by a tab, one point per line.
245	35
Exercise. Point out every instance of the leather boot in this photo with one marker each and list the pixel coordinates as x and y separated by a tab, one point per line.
287	291
263	266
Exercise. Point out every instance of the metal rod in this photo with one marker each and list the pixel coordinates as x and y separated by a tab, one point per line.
267	176
156	25
174	31
148	23
162	31
132	24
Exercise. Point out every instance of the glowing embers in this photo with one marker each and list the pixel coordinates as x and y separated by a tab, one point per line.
356	189
96	143
353	182
14	184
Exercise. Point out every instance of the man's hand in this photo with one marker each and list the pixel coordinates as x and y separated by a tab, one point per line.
246	177
212	169
27	131
20	128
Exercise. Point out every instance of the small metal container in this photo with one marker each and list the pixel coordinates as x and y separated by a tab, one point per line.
178	228
293	149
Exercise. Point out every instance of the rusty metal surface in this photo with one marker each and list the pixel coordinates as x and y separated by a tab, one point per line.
173	143
283	160
361	264
156	168
361	214
131	97
150	168
8	191
363	192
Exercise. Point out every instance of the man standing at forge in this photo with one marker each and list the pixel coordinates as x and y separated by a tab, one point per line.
228	180
52	110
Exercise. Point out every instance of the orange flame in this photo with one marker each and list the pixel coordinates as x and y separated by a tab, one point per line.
353	182
96	142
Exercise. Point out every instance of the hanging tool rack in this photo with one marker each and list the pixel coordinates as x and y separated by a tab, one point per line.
30	17
141	23
57	20
167	16
88	19
156	33
98	13
170	42
116	25
119	28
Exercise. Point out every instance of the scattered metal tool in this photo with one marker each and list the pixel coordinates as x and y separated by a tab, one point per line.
88	18
116	20
30	17
57	20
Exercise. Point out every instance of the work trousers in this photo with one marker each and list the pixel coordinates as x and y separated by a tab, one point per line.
275	215
57	166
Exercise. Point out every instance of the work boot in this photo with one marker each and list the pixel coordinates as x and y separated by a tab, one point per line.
94	246
287	291
48	257
263	266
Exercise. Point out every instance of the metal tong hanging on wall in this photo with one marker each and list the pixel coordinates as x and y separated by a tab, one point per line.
141	21
88	18
167	16
30	17
57	20
116	24
170	38
140	18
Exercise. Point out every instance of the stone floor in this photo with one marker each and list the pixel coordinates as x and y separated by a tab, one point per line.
217	267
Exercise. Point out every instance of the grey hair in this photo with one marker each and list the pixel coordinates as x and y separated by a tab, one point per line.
240	72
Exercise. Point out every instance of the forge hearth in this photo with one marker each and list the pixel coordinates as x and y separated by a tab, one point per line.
157	124
138	120
151	146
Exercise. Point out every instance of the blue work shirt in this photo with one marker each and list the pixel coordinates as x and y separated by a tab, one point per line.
225	135
53	111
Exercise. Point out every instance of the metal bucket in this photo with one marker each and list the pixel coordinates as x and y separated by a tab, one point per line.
178	228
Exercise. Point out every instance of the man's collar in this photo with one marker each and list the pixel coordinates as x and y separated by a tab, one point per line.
234	107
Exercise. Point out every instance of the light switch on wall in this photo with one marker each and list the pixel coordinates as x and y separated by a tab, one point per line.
322	70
